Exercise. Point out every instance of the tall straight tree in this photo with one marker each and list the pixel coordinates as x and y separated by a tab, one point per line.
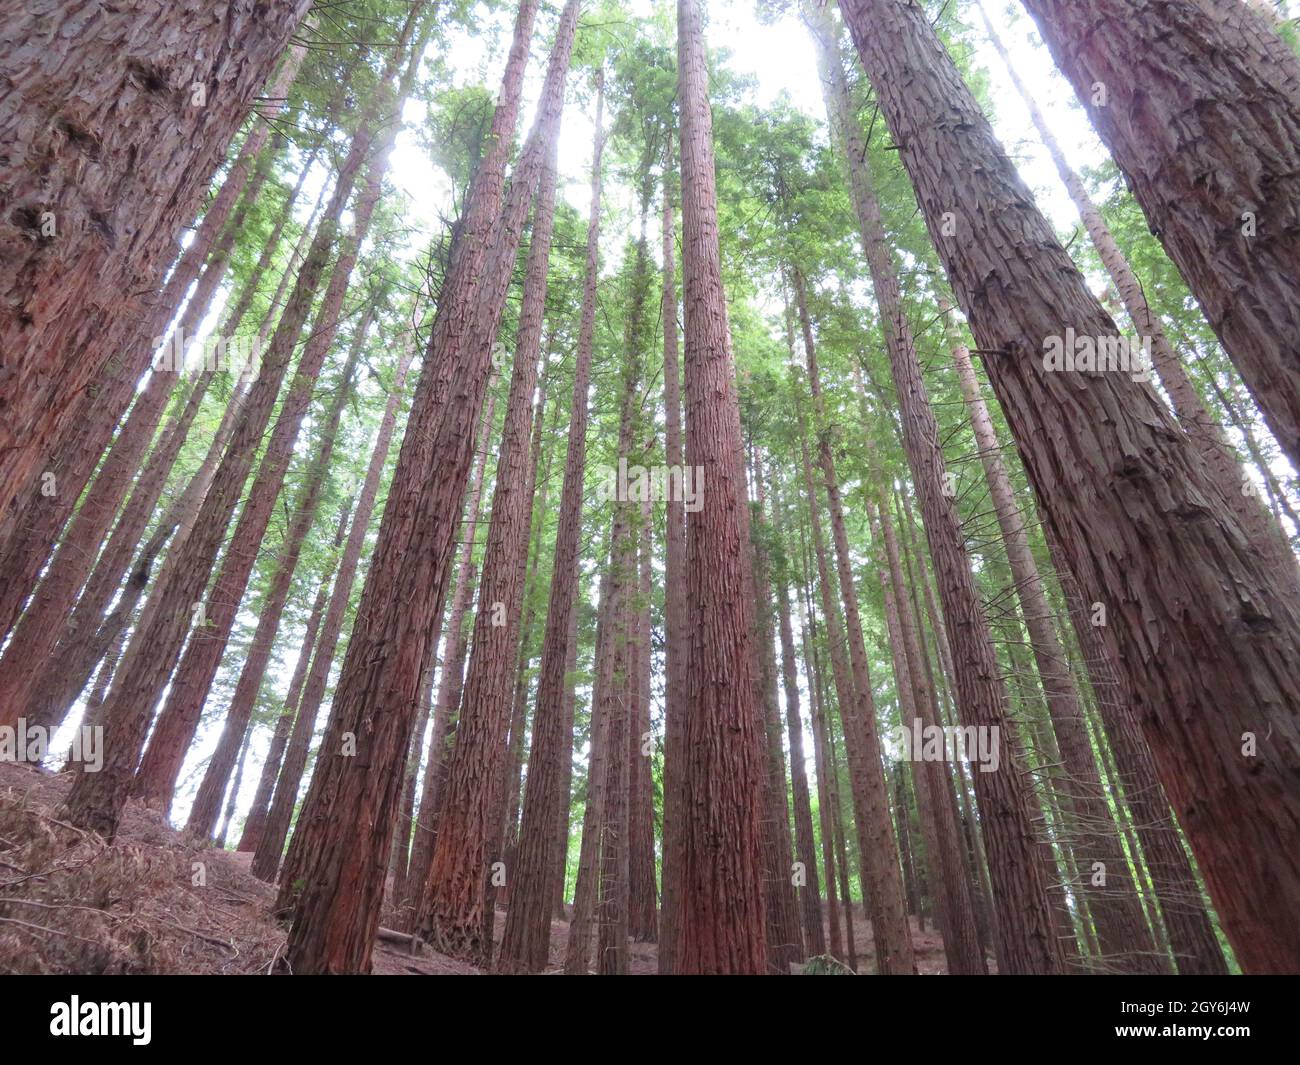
203	813
675	620
175	727
1206	434
1211	151
643	914
530	894
446	703
805	843
96	799
722	919
950	880
255	820
280	803
140	98
525	943
577	948
878	844
338	913
460	868
1192	615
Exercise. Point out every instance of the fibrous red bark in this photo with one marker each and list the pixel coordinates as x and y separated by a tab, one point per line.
1199	104
722	925
101	108
337	915
1193	617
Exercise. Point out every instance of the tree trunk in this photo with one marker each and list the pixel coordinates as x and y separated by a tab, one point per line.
79	634
721	928
1206	435
96	122
951	881
1193	615
96	799
843	679
526	939
255	822
884	883
577	951
826	804
805	845
399	860
28	537
784	938
675	606
468	839
451	684
257	655
415	548
232	800
566	772
1211	152
643	914
938	683
266	857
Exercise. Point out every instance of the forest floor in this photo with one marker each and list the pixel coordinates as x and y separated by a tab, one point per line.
155	901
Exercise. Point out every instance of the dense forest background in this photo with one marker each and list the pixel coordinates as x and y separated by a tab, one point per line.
611	507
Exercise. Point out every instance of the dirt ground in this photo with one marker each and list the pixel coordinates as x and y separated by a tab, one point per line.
157	902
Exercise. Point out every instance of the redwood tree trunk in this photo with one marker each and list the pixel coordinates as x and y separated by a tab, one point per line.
89	633
675	621
96	122
526	938
884	885
785	934
722	927
257	656
1193	617
448	699
1211	152
255	821
338	914
74	650
843	679
805	845
96	799
267	852
950	883
577	949
469	830
643	915
826	804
